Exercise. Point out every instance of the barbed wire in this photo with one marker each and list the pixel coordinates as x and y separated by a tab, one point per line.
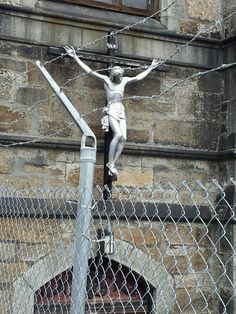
35	105
127	27
177	83
161	62
44	138
152	97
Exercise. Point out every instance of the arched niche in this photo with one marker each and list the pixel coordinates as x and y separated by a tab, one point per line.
59	261
111	288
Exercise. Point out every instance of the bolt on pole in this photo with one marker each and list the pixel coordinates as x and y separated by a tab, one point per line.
85	192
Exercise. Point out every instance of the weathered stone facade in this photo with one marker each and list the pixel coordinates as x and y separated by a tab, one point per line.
186	134
30	243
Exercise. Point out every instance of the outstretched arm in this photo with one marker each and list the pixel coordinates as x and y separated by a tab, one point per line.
72	53
143	74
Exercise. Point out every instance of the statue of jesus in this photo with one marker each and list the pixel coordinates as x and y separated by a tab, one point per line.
115	114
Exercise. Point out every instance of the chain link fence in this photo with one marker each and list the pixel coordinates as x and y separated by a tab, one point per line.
161	249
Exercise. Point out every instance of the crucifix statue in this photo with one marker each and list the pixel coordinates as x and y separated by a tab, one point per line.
114	85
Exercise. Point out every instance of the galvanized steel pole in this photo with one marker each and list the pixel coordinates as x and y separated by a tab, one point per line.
84	213
82	241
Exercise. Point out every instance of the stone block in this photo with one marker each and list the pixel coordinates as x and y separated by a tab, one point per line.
13	120
31	95
55	128
152	162
21	181
50	171
13	65
7	251
143	120
204	10
91	82
9	272
57	156
143	236
98	176
27	252
202	107
129	160
193	280
5	297
34	76
200	258
182	234
211	83
97	129
34	158
27	51
73	174
6	86
67	229
147	87
7	162
138	136
29	230
55	182
175	264
176	172
134	176
189	299
61	73
178	72
187	134
189	27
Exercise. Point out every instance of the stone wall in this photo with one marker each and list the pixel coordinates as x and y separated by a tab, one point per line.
29	243
190	17
185	117
186	134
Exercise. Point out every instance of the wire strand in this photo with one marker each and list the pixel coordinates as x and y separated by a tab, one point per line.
161	62
155	96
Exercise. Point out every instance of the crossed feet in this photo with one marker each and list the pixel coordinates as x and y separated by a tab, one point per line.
112	169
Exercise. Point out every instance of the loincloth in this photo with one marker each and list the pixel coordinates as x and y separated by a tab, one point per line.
115	110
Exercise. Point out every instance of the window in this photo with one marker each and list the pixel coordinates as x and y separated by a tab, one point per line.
140	7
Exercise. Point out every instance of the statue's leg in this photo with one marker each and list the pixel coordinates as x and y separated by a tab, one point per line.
117	136
121	143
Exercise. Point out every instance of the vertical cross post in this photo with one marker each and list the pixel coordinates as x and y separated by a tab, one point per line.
108	179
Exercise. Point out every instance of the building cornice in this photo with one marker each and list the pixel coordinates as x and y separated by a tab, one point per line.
130	148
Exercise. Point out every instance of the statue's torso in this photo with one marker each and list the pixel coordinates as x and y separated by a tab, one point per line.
114	95
114	91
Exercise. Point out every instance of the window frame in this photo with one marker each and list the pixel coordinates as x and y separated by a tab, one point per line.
118	7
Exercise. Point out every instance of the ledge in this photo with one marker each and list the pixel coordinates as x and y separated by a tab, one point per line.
71	12
203	53
110	20
130	148
113	209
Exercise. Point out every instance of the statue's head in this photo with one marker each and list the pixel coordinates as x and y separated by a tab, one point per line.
116	73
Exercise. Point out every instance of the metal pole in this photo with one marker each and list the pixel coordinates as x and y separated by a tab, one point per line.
82	241
84	213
